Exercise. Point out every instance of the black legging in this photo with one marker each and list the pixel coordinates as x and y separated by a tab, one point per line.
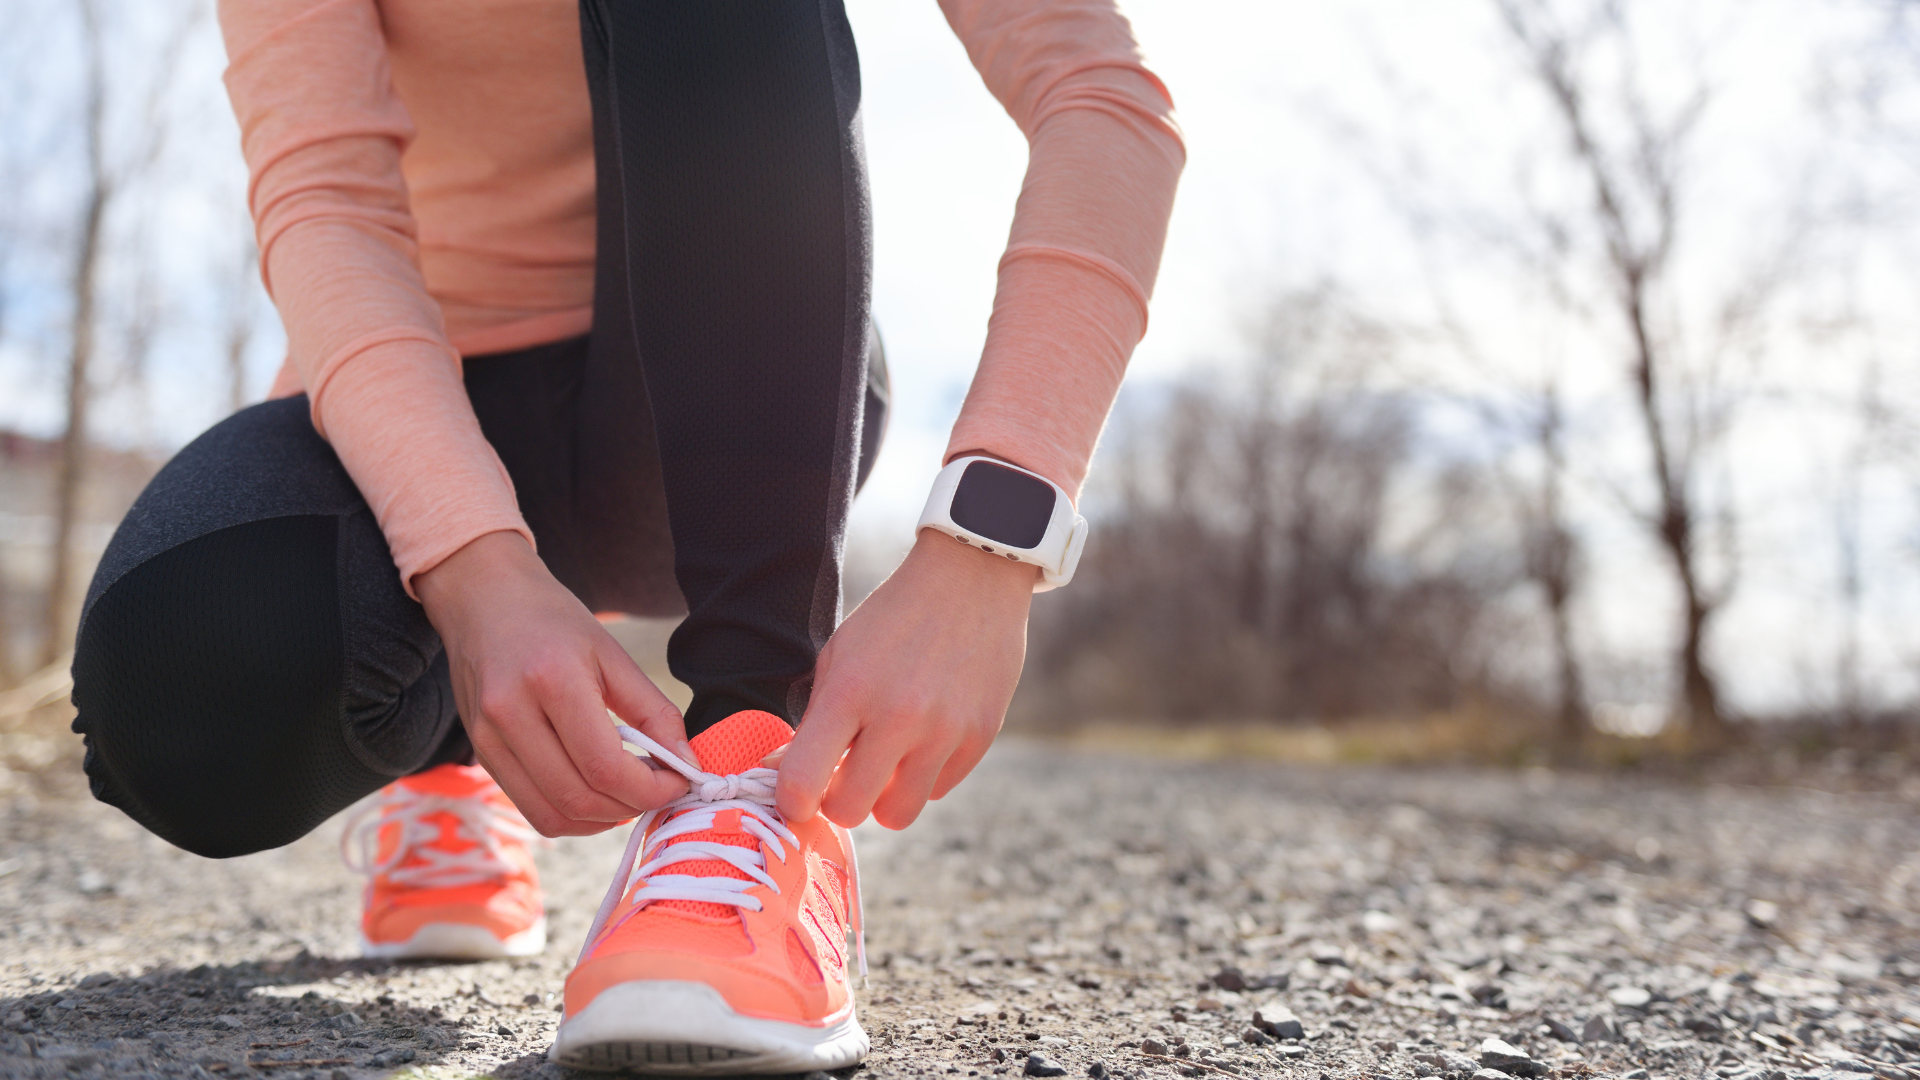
248	664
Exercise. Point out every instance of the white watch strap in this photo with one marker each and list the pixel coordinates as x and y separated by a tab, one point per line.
1058	552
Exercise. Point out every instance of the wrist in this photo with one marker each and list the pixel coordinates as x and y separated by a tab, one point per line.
484	560
968	568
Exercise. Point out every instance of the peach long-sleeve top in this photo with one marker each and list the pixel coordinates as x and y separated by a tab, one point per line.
423	188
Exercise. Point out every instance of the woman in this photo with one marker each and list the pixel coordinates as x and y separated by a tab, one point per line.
561	345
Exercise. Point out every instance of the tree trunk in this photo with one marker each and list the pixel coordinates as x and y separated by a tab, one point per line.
73	442
58	619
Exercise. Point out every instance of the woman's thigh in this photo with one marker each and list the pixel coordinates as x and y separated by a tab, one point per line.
248	664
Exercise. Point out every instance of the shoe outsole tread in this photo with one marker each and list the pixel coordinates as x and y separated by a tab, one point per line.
671	1028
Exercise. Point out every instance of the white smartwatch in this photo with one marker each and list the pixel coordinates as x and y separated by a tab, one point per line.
1008	512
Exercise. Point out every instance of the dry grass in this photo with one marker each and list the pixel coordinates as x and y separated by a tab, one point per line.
1481	736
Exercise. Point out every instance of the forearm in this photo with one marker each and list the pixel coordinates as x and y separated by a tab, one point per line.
1071	300
405	432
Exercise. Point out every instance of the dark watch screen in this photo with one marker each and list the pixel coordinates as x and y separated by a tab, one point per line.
1003	505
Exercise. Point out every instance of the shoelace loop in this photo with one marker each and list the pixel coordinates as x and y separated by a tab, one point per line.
750	792
476	819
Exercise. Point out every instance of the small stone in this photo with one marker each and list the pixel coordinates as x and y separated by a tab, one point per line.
530	999
397	1056
229	1022
1637	1074
1039	1064
1507	1058
1207	1004
503	1030
1599	1028
1378	922
997	1056
1294	1051
1492	995
93	883
1253	1036
1230	979
338	1074
1281	1024
1850	1065
1098	1070
1762	913
97	979
1491	1074
1561	1031
1153	1047
1272	982
1630	997
1087	982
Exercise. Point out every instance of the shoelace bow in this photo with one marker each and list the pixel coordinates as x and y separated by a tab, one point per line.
750	792
476	819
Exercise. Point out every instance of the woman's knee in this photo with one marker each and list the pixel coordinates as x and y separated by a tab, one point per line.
208	682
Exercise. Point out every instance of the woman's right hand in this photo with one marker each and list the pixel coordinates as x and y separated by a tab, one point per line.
534	674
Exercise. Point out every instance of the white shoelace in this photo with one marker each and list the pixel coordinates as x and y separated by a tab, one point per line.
476	818
751	793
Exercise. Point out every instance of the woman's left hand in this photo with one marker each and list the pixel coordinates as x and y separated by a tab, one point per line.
912	688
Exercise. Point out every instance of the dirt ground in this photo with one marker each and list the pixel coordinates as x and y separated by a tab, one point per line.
1113	915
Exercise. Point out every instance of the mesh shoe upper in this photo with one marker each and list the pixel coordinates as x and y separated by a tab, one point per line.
443	846
727	893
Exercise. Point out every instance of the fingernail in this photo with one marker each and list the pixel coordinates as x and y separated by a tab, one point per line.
773	759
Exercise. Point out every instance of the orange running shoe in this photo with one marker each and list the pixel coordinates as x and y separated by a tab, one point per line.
450	870
725	950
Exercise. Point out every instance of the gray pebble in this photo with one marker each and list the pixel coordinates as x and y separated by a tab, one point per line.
1039	1064
1561	1031
1630	997
1279	1022
1510	1059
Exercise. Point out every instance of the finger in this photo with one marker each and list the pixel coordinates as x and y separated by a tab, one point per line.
522	723
506	770
906	794
574	705
860	779
959	765
817	747
636	700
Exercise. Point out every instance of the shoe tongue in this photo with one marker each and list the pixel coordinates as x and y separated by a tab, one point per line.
737	743
733	745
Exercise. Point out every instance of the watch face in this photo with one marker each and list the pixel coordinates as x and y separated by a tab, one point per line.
1003	505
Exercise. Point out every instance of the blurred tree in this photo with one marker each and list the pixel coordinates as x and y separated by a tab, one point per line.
1276	541
1631	154
106	174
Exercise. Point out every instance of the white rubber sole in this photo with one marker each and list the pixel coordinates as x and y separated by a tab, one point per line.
665	1028
459	941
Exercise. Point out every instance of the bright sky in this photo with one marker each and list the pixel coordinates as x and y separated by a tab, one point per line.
1273	198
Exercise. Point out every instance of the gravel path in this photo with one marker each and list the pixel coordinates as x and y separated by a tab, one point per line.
1113	916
